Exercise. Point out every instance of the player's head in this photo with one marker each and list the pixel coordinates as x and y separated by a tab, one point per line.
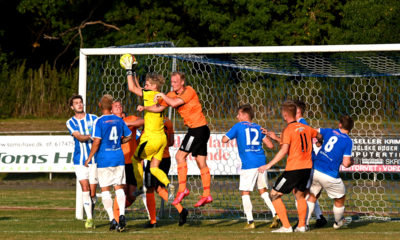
245	113
106	102
154	82
76	103
289	110
346	122
301	108
178	81
116	108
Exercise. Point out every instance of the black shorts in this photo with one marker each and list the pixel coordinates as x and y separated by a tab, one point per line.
195	141
129	175
289	180
152	181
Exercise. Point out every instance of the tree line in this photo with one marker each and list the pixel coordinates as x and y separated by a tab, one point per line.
40	40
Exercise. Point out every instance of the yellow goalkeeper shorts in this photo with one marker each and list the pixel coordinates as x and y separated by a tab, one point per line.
151	146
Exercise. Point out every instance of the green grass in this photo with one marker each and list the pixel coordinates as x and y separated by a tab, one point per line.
39	209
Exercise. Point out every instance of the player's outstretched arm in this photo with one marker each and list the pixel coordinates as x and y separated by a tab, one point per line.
80	137
268	143
95	147
137	123
173	102
272	135
279	156
155	108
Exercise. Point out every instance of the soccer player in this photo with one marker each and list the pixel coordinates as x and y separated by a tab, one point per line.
300	109
296	142
186	101
80	126
133	122
152	183
109	133
153	140
336	149
250	139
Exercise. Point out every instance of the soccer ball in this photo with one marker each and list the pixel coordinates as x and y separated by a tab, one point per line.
127	60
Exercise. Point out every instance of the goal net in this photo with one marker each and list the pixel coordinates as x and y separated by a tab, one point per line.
359	80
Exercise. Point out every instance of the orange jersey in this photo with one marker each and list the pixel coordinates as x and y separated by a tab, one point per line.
129	148
299	137
190	111
169	131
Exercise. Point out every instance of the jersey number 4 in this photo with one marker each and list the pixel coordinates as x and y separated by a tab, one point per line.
113	135
253	141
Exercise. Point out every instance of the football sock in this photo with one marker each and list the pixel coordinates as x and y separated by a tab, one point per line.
107	203
302	211
338	213
87	204
121	198
116	210
138	173
311	207
151	205
160	175
247	207
164	195
267	201
281	211
182	176
206	180
317	210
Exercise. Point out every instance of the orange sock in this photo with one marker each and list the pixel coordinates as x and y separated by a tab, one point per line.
281	211
116	210
182	176
151	205
206	180
302	211
164	195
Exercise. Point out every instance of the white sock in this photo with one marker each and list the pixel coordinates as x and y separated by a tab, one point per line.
311	207
338	213
121	198
267	201
144	199
247	207
108	204
87	204
317	210
295	202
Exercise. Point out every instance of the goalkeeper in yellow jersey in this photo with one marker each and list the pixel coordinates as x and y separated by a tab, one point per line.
153	140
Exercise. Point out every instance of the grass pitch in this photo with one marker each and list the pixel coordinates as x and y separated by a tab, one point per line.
45	210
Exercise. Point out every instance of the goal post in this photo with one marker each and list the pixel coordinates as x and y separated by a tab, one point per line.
359	80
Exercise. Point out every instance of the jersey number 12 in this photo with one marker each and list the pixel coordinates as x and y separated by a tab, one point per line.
253	141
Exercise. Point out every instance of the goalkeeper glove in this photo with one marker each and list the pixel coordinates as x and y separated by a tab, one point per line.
128	62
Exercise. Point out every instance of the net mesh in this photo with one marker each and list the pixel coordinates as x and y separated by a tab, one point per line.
364	85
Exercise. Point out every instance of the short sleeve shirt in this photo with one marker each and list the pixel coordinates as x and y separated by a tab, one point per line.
191	110
153	122
110	129
299	137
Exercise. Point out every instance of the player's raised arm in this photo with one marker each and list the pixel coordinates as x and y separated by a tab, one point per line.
128	62
268	143
80	137
137	123
157	108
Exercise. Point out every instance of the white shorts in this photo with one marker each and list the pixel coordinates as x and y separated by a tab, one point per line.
334	186
249	177
89	173
111	176
310	179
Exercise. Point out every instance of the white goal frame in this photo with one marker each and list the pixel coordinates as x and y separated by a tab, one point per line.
85	52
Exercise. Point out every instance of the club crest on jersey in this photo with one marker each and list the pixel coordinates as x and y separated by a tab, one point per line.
300	129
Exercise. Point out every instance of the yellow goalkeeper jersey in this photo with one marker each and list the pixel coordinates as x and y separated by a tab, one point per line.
153	122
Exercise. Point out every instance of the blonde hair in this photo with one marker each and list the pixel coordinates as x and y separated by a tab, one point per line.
156	79
106	102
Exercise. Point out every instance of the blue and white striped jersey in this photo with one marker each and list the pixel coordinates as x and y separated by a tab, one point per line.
85	127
